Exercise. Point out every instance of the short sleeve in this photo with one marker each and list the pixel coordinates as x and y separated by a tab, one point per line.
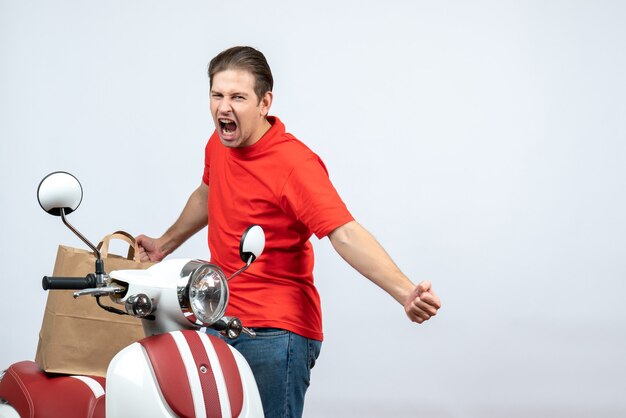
311	198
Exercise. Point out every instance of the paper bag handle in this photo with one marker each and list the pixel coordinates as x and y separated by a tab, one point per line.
133	249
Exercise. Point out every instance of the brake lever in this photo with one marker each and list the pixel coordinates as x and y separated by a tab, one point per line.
99	291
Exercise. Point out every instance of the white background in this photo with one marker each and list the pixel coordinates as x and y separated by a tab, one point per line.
482	143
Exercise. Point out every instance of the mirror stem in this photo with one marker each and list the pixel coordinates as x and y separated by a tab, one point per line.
99	264
241	270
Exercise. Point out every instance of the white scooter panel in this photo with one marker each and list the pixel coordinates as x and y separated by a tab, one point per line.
181	373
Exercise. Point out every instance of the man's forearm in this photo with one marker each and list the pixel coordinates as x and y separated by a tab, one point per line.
192	219
361	250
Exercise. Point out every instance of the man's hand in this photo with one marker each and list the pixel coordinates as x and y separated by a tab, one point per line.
422	303
149	249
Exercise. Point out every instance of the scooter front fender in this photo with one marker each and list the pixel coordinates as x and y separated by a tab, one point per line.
181	373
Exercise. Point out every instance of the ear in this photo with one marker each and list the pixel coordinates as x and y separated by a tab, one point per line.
266	103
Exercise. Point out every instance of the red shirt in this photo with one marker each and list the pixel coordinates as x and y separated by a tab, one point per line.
283	186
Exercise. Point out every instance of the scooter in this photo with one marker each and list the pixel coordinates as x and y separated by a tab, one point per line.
176	371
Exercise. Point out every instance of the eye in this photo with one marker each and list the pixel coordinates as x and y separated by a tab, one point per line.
239	98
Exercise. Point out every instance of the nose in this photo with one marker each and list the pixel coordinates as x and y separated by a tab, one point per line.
223	106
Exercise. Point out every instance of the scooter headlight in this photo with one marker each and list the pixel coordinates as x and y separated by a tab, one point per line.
203	293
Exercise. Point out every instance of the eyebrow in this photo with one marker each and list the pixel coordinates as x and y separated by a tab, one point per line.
236	93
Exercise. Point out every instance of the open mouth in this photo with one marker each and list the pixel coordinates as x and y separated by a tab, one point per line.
227	126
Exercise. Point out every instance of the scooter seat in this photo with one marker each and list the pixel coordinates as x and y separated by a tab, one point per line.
37	394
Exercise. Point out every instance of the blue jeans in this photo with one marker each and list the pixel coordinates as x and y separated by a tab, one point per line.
281	362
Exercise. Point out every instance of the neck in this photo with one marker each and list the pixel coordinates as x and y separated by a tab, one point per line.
265	126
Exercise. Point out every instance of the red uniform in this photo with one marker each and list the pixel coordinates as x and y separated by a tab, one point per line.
283	186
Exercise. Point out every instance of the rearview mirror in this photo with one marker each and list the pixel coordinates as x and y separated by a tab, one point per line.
252	244
59	190
60	194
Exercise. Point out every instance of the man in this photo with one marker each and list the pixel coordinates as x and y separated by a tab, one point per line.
256	173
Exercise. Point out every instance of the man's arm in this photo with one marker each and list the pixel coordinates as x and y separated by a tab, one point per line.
193	218
361	250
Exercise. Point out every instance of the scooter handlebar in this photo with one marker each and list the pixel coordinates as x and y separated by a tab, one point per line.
68	283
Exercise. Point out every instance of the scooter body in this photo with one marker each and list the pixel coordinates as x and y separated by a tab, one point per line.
176	371
186	374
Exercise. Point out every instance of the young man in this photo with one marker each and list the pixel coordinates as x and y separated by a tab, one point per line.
257	173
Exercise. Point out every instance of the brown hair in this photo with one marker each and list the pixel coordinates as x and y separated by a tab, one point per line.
248	59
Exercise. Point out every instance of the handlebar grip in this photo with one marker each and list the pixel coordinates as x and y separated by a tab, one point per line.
68	283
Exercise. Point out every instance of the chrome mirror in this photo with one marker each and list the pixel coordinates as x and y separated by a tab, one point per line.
250	247
59	191
60	194
252	243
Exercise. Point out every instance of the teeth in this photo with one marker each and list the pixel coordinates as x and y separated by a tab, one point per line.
225	123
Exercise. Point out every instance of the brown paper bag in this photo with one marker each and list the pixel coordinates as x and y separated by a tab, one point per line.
77	336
